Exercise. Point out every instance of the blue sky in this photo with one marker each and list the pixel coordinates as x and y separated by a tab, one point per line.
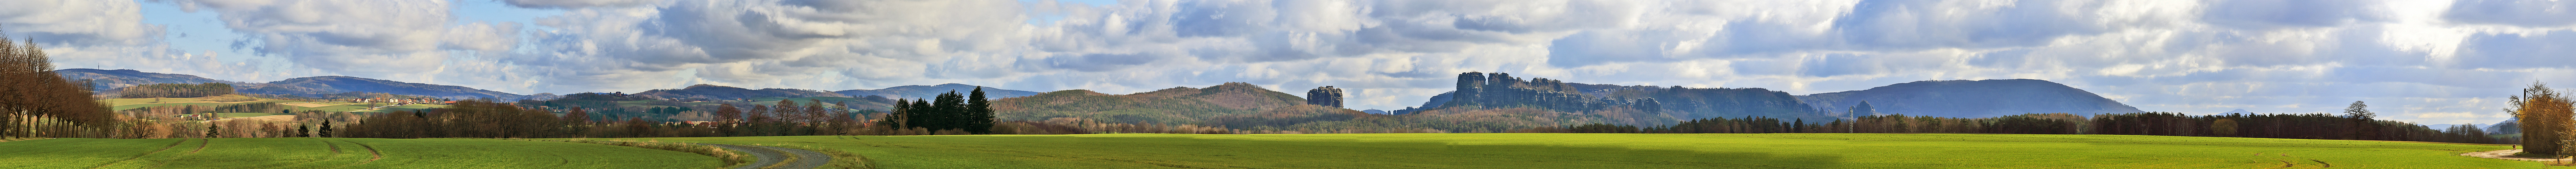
2428	61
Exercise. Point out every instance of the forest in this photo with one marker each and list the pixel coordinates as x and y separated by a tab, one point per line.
173	90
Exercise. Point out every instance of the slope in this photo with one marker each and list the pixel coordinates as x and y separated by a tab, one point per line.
1178	105
1965	98
112	79
714	92
325	85
919	91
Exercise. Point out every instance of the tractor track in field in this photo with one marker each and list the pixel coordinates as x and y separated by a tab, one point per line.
163	148
371	150
778	157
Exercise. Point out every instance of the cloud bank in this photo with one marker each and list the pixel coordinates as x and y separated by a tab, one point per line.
2433	62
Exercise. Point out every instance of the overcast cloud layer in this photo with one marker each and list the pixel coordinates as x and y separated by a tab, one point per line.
2432	62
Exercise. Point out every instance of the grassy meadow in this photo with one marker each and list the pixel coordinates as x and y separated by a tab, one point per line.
1529	150
335	153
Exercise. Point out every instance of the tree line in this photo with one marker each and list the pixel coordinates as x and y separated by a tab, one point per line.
176	90
36	102
2357	123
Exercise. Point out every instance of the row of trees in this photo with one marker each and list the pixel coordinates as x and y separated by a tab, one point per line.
176	90
2356	124
35	102
785	118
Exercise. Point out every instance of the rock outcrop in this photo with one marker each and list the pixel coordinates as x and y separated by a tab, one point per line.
1327	96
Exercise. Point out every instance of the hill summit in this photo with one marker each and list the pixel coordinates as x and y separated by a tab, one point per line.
1971	98
920	91
715	92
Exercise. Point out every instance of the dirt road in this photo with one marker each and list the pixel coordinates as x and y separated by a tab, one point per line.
804	159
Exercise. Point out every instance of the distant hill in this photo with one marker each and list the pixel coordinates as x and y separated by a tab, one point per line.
1652	105
1178	105
1245	106
714	92
109	80
326	85
1966	98
919	91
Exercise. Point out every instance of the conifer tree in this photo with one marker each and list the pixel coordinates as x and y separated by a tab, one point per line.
922	113
900	117
325	130
980	112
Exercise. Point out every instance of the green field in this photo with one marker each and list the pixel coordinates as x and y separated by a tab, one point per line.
335	153
1518	150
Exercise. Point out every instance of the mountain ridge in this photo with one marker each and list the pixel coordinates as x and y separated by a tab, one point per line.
921	91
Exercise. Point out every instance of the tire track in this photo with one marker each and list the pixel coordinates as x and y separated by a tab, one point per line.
201	146
777	157
374	155
174	144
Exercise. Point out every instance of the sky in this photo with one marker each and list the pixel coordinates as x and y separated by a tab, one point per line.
2424	61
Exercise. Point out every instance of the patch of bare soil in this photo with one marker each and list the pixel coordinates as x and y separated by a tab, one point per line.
2506	154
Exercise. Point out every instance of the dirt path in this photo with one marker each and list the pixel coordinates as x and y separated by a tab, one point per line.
770	156
2504	154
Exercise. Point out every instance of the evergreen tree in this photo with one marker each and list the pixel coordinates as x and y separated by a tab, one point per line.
212	131
923	113
326	129
980	112
952	111
900	117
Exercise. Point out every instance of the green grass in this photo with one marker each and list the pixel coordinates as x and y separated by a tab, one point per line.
1522	150
350	153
